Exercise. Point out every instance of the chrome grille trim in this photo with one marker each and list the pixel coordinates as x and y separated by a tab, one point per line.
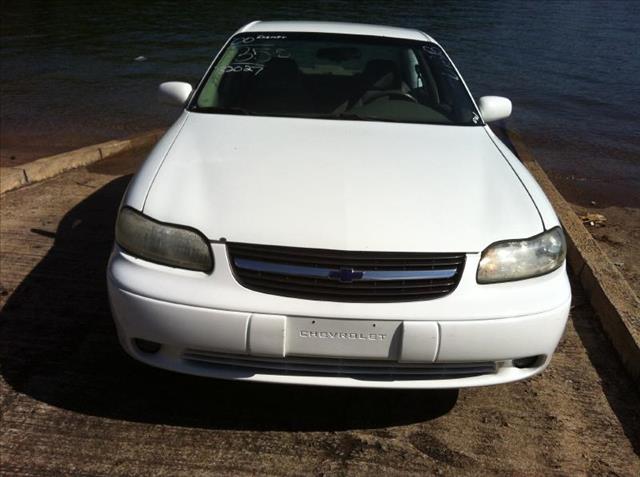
345	276
341	367
367	275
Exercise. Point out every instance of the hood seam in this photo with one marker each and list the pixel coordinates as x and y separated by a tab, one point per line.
544	228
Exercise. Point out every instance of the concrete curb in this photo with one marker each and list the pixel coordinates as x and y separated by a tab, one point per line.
15	177
613	300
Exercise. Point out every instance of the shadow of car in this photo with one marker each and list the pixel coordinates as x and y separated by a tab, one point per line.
59	346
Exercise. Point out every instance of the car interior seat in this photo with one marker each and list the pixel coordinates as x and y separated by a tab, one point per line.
278	88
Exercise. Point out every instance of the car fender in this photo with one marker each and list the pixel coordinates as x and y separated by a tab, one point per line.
138	188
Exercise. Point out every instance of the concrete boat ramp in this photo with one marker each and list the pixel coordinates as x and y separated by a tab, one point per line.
73	403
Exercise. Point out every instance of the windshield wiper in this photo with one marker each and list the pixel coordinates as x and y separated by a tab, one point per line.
220	110
357	117
349	115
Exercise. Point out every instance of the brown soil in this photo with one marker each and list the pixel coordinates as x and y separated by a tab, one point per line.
73	403
619	235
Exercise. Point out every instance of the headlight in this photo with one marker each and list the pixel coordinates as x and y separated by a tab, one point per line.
154	241
518	259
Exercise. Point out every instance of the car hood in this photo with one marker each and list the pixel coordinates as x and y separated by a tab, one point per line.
343	185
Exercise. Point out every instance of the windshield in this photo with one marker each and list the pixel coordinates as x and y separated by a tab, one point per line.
336	77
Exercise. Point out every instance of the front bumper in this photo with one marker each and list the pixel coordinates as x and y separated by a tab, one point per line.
249	341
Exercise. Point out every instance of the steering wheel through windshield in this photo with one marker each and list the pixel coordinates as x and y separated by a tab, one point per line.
390	94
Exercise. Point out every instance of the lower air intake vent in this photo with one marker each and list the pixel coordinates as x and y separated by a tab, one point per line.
341	367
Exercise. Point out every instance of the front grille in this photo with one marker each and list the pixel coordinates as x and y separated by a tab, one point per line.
353	368
334	275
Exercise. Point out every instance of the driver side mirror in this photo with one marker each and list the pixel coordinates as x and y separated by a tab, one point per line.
174	93
493	108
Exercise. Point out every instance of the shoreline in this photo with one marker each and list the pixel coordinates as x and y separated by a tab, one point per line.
619	235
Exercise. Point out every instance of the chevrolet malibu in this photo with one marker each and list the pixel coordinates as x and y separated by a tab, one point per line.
331	208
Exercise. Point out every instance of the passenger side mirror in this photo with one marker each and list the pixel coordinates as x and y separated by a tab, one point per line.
174	93
493	108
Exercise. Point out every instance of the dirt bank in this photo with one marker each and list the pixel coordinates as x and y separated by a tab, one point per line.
617	231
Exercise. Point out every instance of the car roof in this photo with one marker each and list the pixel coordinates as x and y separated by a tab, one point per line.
335	27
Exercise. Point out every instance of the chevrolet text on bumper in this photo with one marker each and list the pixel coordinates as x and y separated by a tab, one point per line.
331	209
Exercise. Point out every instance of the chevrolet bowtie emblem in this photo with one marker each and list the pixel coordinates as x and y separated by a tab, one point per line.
345	275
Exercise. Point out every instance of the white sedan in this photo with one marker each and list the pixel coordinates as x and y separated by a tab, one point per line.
331	208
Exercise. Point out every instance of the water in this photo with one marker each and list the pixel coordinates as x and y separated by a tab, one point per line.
74	73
